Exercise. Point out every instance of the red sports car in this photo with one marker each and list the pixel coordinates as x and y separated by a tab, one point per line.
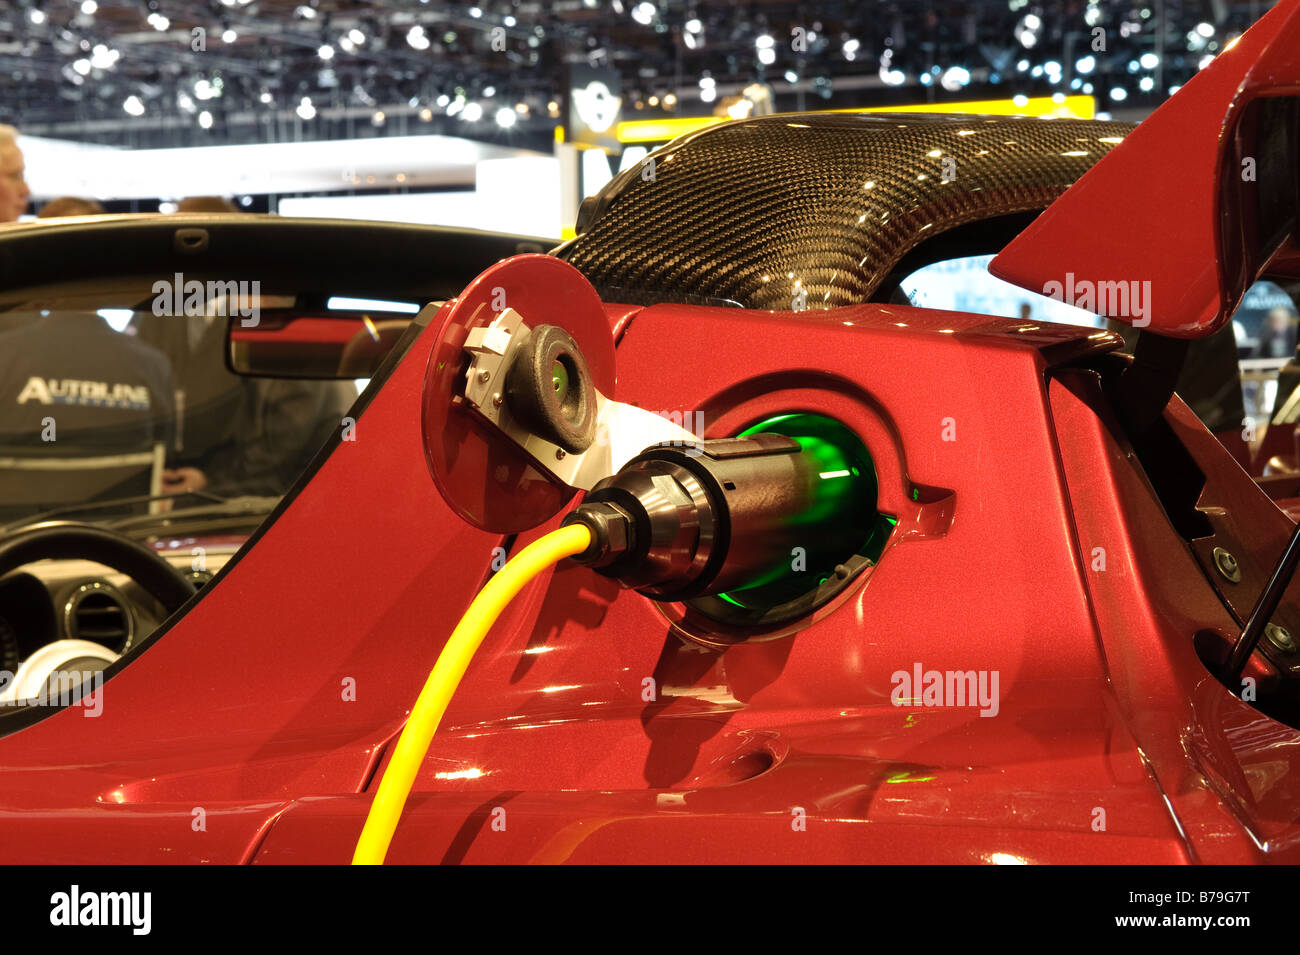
844	578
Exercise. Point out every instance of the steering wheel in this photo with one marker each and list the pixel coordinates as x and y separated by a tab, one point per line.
63	540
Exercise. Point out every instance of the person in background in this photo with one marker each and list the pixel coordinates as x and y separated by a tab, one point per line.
1278	337
108	393
206	204
236	435
13	183
209	399
70	206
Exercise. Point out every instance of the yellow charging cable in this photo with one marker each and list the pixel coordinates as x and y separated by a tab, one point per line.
446	675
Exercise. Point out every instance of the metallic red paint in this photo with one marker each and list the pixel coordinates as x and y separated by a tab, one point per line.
485	478
781	749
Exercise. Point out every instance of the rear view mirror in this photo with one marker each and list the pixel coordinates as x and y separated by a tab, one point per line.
316	343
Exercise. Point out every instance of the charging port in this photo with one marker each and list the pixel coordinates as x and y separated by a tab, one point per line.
847	497
755	529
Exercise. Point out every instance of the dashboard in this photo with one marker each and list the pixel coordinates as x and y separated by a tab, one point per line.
84	601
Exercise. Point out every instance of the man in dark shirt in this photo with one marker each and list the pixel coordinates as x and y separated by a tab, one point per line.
85	414
237	435
103	392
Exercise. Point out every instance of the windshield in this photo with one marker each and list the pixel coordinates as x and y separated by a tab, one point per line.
110	412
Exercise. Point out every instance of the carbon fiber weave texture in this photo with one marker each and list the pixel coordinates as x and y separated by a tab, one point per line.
758	211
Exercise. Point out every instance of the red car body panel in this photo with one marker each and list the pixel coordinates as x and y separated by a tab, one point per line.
368	571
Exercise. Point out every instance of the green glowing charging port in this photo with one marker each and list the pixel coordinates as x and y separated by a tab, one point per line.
843	530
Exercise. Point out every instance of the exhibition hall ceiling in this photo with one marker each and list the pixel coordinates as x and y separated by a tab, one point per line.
191	72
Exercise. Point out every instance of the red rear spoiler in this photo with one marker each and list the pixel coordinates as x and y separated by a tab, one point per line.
1161	233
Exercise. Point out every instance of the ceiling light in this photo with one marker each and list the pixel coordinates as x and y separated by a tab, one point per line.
1146	84
954	78
158	21
1205	30
205	119
708	94
229	36
489	91
82	66
509	21
472	112
442	101
417	38
379	118
767	56
36	16
426	115
133	107
644	12
764	41
89	7
305	109
102	58
1149	61
693	25
356	36
1026	31
326	52
505	117
1119	94
306	12
1085	64
266	97
475	12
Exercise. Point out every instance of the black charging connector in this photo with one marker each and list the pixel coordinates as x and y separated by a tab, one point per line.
723	515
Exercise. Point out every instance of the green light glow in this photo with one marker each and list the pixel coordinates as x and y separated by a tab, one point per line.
845	496
907	777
